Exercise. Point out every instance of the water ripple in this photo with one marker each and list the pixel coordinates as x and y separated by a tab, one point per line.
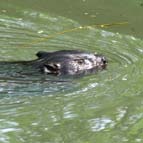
100	124
109	101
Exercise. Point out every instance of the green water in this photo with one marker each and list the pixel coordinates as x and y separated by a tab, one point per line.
102	108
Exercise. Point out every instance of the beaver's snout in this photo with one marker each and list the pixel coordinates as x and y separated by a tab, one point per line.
104	62
101	61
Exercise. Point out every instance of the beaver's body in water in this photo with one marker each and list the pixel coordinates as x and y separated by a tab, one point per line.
69	62
66	62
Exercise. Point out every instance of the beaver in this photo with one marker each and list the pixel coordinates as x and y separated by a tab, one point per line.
69	62
63	62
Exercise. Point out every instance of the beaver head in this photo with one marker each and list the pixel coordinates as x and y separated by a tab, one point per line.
70	62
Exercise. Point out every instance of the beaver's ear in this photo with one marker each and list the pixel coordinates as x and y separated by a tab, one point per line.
42	54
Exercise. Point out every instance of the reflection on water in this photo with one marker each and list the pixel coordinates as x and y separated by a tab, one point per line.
106	107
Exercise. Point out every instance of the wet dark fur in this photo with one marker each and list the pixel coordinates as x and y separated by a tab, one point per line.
66	62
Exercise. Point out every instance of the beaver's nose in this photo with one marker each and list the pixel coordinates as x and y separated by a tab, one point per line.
104	60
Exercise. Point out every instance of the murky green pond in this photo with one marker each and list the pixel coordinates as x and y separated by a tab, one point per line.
102	108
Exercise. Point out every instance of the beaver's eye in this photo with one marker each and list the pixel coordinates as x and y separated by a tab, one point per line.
79	61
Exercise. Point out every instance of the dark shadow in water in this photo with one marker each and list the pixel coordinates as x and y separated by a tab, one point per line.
21	78
23	71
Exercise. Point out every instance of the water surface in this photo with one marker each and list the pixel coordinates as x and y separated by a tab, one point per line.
105	107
